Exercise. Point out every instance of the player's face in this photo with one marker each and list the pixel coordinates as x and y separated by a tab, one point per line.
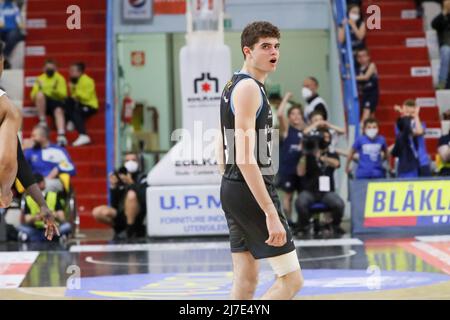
295	117
265	54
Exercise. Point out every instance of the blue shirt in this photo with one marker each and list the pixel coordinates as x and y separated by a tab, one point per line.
44	160
291	151
370	159
421	150
10	16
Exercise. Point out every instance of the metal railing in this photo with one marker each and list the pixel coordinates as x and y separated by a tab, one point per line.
347	66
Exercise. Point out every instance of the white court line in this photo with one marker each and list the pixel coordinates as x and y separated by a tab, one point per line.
208	263
437	238
201	245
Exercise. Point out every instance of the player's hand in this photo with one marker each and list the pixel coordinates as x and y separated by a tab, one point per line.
50	224
277	233
348	170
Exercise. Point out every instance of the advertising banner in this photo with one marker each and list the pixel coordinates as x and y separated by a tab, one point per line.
185	210
406	206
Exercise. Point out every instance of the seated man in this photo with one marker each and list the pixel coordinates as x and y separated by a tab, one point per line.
316	167
48	93
128	201
82	102
48	159
32	229
11	26
444	154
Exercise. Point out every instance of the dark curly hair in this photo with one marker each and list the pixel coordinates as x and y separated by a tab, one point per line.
256	30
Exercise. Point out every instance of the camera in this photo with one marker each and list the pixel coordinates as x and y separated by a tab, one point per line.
122	170
314	141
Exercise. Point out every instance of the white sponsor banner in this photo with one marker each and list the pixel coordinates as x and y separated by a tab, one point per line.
433	133
409	14
420	72
416	42
184	211
35	51
36	23
137	10
14	267
426	102
205	68
29	81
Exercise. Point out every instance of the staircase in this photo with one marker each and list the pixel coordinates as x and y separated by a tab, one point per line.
48	37
395	60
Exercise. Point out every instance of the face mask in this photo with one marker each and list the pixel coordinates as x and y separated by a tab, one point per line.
50	72
306	93
371	133
131	166
74	80
354	16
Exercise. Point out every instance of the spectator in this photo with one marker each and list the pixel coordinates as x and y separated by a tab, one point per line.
444	154
48	93
313	101
47	159
357	28
317	122
372	150
367	84
128	201
291	146
11	28
410	148
32	229
316	167
275	100
441	23
82	103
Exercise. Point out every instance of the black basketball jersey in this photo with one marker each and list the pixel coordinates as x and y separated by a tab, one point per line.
263	128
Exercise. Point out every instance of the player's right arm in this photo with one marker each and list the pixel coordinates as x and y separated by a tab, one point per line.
10	120
246	100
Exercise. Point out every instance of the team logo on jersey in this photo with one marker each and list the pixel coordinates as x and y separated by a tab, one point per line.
206	83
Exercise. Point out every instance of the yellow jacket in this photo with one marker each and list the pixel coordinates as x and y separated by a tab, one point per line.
84	91
54	87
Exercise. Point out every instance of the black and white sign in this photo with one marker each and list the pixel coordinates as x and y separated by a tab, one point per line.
137	10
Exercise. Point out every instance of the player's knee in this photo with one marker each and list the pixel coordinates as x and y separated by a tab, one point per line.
292	282
248	282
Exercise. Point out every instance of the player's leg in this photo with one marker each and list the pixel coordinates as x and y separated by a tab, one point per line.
289	277
245	276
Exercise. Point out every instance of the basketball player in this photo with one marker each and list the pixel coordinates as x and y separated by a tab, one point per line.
12	161
258	228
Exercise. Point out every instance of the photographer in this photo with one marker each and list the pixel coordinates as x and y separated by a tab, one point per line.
128	202
316	167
